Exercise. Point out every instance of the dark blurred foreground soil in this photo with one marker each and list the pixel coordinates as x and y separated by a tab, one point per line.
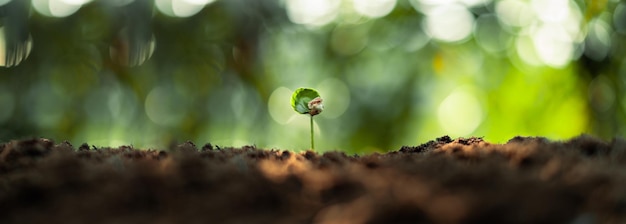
527	180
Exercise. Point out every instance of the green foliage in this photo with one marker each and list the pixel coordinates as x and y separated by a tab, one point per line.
212	75
307	101
301	98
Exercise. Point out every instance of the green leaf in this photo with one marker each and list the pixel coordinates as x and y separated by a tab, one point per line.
301	98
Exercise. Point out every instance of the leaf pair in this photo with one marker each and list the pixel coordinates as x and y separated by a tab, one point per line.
307	101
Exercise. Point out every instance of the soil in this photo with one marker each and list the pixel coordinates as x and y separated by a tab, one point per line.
526	180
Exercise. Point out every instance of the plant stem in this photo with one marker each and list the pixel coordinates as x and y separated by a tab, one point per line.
312	141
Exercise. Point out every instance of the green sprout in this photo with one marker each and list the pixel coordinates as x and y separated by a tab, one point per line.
307	101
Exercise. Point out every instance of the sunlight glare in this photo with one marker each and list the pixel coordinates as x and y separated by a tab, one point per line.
374	8
312	12
515	13
55	8
553	45
460	113
553	11
181	8
449	23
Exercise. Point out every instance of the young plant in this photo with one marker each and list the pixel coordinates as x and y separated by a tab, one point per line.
307	101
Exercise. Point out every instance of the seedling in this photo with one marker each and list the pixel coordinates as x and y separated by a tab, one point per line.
307	101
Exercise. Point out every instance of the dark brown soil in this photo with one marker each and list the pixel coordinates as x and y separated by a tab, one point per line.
527	180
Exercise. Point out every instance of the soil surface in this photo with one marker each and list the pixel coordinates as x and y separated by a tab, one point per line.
527	180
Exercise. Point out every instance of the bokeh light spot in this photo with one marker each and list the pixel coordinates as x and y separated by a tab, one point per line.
526	51
4	2
515	13
553	45
165	7
598	42
122	103
417	38
474	3
164	107
199	2
374	62
619	18
336	97
312	12
374	8
76	2
489	34
55	8
279	106
181	8
460	113
449	23
553	11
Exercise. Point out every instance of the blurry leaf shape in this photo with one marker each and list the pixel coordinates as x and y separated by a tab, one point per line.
301	98
13	52
131	50
135	41
16	42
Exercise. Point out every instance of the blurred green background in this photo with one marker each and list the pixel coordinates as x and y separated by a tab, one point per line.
149	73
